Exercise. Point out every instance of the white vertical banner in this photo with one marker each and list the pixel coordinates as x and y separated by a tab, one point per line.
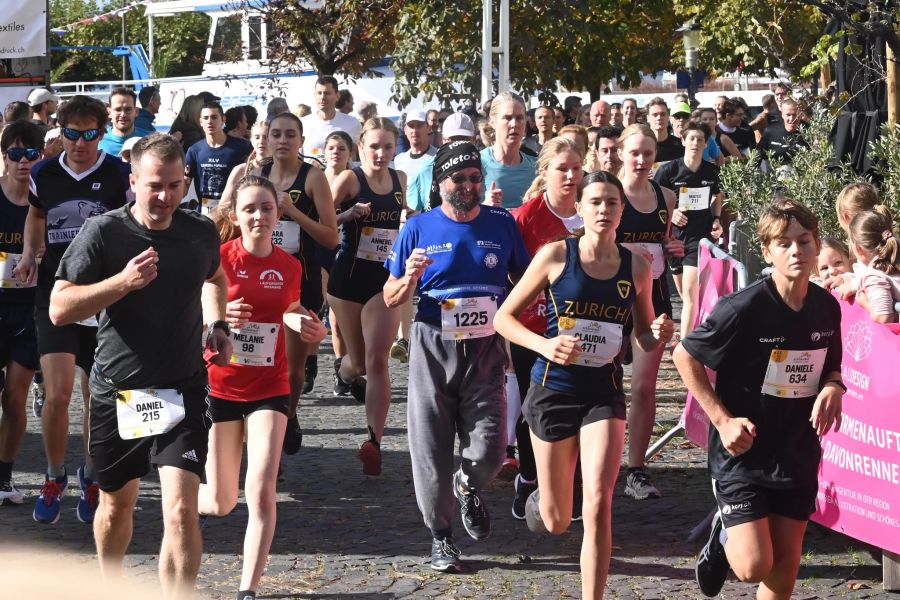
23	28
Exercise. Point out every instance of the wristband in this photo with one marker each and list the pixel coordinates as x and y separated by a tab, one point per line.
223	325
836	382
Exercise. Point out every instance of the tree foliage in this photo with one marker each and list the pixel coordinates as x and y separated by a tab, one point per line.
180	41
581	44
344	36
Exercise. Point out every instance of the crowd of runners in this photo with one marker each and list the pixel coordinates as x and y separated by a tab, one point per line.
515	259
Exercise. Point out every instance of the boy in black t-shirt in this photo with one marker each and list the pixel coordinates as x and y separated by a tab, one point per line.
776	347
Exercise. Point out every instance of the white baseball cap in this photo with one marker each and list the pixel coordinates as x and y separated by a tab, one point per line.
128	145
417	115
41	95
458	124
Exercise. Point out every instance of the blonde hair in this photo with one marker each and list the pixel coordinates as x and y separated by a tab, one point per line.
550	150
581	138
488	135
777	217
378	123
854	199
873	230
632	130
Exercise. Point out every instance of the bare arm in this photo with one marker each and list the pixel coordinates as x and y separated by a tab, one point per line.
324	230
728	144
214	297
35	228
399	290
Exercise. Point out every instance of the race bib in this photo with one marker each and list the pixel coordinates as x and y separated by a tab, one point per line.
653	253
794	373
254	344
207	205
657	166
464	318
286	236
693	198
601	342
8	262
375	243
141	413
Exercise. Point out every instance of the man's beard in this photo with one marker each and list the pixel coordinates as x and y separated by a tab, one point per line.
460	201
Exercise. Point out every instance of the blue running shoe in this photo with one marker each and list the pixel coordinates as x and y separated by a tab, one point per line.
90	497
46	509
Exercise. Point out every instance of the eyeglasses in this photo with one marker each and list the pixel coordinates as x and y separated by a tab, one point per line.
461	179
89	135
16	154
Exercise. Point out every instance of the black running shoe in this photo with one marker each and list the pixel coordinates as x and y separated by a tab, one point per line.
293	436
474	513
445	556
712	564
341	388
310	370
358	389
523	490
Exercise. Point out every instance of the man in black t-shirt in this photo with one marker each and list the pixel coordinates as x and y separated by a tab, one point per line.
668	146
776	347
142	268
782	140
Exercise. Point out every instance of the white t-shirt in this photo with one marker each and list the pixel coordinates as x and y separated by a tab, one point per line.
411	166
315	130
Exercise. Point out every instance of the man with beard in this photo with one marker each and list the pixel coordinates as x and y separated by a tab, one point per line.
459	256
122	112
781	141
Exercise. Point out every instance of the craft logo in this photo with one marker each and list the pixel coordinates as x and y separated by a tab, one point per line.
858	341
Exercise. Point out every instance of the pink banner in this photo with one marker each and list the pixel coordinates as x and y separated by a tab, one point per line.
715	279
859	476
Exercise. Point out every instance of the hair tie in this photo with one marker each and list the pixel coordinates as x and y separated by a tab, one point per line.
886	235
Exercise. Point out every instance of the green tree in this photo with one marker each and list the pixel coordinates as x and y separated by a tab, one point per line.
581	44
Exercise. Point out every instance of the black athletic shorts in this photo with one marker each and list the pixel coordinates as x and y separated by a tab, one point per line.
18	341
80	340
690	259
221	410
118	461
312	296
356	280
554	416
741	502
326	257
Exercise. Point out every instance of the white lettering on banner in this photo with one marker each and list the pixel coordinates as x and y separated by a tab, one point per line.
26	33
463	318
376	243
875	468
872	435
8	262
145	412
854	377
693	198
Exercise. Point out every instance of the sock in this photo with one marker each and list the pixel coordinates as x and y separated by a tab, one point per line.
633	469
88	471
246	595
442	534
54	471
337	363
312	362
513	407
5	471
372	437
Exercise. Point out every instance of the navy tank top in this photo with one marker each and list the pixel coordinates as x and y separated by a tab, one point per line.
595	310
288	234
371	237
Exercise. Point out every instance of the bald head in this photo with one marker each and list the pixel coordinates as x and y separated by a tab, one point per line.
600	114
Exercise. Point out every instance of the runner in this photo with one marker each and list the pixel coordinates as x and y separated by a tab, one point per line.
776	348
576	403
459	256
43	103
543	122
21	143
142	267
601	113
122	113
783	139
326	119
251	395
372	199
307	221
668	147
731	132
549	214
698	216
606	149
505	166
259	140
457	128
615	110
644	229
64	192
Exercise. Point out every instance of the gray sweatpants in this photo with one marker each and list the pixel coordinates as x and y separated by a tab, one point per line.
455	389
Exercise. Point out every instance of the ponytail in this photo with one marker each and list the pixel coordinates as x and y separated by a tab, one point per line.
873	230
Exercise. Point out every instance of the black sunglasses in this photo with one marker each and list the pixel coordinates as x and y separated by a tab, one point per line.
473	178
89	135
16	154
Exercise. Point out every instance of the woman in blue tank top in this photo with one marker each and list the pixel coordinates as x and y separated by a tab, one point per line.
576	404
372	200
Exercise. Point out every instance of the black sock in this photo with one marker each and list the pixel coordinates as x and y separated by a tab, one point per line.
246	595
5	471
633	469
442	534
373	439
312	361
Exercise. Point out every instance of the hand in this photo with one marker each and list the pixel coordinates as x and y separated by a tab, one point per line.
53	147
26	270
219	347
495	196
358	211
416	264
737	434
679	217
673	247
307	324
140	270
827	409
835	281
846	290
663	328
237	312
716	231
563	349
284	200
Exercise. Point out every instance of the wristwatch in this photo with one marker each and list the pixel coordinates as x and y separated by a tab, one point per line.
223	325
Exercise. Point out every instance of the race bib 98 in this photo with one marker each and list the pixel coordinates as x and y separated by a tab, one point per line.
254	344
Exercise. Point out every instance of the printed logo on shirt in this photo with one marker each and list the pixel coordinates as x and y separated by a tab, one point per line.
398	196
818	335
95	186
488	244
730	508
663	215
624	288
295	196
271	279
438	248
242	274
490	260
65	221
773	340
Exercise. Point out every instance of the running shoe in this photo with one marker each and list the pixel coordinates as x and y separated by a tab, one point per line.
37	394
509	470
293	436
523	490
46	509
370	456
400	350
533	513
341	387
474	513
247	595
9	494
639	486
310	371
90	497
712	564
358	389
445	556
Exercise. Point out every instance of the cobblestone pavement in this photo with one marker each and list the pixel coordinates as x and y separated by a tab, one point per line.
342	535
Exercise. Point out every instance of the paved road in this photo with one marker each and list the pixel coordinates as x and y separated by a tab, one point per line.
342	535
